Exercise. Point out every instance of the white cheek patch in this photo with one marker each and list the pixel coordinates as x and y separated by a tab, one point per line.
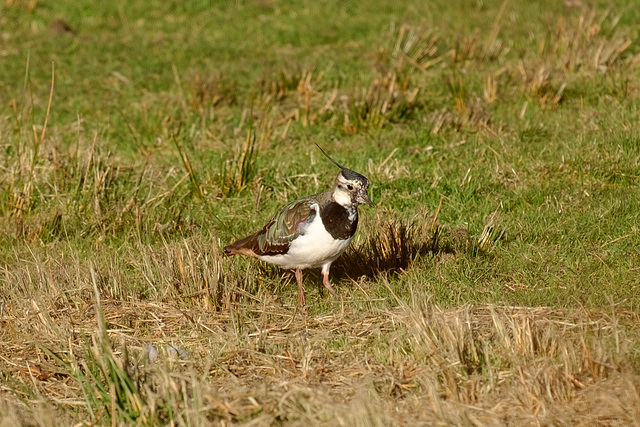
342	197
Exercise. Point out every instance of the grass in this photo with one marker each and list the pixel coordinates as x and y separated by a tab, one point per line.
493	283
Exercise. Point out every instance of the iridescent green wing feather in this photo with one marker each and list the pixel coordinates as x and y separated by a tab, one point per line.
285	226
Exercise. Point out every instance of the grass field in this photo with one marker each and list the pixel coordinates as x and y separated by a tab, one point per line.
496	281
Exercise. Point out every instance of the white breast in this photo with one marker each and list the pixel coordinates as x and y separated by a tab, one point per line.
315	248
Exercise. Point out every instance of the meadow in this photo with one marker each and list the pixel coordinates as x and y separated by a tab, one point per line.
495	281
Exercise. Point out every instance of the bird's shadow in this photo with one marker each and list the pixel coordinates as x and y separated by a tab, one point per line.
393	245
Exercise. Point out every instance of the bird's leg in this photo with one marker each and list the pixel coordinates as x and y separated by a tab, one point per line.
327	284
301	301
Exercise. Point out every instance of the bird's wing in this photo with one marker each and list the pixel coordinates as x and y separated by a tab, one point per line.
276	237
285	226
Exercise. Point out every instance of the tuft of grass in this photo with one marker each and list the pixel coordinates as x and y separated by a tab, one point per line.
417	45
387	100
240	171
193	178
211	91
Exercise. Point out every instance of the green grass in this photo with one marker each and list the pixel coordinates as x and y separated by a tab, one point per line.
496	278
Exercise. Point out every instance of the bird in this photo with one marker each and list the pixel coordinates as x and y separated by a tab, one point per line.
311	232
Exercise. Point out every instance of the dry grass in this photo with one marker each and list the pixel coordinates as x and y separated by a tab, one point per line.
77	339
265	363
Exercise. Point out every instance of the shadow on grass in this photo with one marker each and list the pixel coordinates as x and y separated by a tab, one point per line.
393	245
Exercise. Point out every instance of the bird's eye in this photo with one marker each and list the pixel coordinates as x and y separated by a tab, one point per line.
349	187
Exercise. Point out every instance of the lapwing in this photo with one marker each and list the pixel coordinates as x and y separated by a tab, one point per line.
311	232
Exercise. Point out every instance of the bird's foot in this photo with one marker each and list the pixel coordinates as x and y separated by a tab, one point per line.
327	284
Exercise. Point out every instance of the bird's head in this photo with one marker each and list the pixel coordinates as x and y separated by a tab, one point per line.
351	188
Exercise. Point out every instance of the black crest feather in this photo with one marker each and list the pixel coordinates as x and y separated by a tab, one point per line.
329	157
347	173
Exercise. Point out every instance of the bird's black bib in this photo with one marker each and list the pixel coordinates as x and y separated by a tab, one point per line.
335	218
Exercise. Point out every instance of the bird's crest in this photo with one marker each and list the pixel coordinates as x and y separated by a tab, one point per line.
347	173
329	157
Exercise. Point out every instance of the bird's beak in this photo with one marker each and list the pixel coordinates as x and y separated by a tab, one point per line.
364	198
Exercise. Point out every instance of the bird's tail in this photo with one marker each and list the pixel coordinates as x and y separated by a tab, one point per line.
242	247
